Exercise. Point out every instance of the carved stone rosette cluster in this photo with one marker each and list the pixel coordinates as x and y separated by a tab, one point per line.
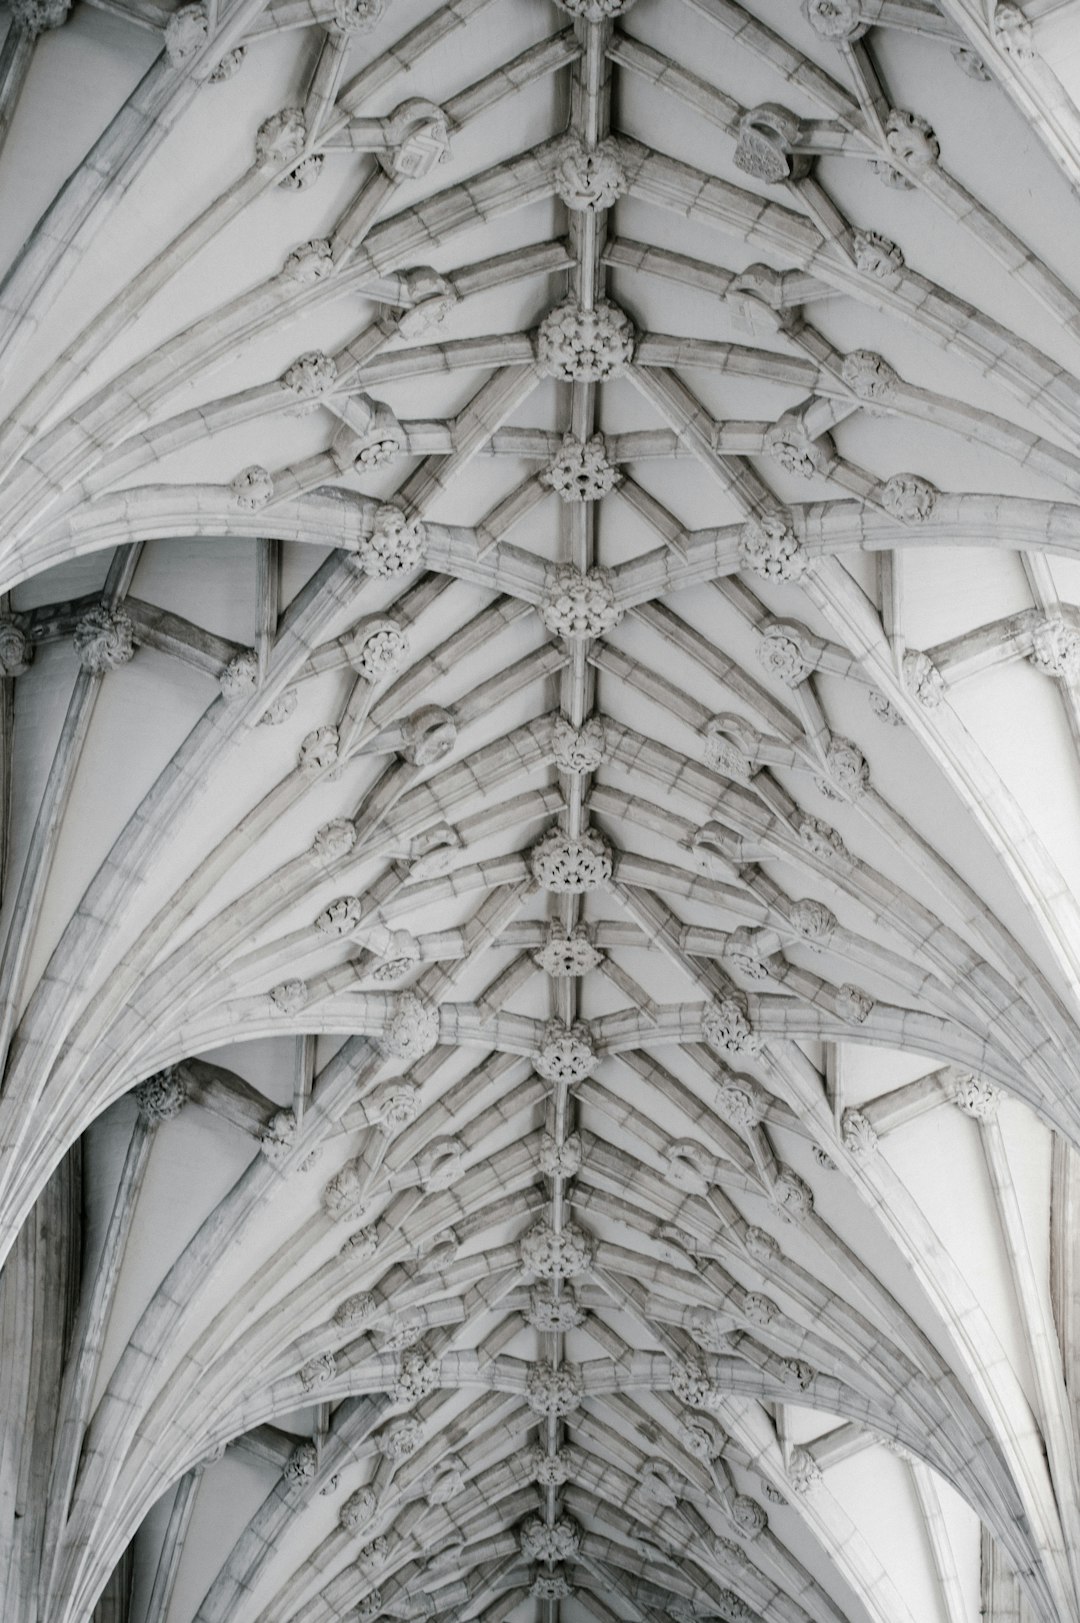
579	604
580	470
585	346
567	955
769	547
104	640
550	1255
568	866
395	544
726	1026
566	1053
162	1096
589	179
578	750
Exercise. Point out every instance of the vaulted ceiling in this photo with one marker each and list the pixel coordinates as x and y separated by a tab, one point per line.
539	710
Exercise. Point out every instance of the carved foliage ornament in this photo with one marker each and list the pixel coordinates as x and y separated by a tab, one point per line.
869	376
578	604
301	1465
311	375
594	11
333	840
311	262
788	651
578	750
400	1439
278	1137
580	471
418	1374
576	344
977	1098
567	866
553	1585
377	652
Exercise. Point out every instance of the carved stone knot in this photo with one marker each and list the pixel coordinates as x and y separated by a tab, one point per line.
923	680
185	34
1055	650
559	1541
318	1371
419	138
567	866
580	345
567	955
333	840
428	735
769	547
765	145
417	1375
788	651
551	1255
16	648
589	179
357	1509
379	651
240	677
840	20
847	773
977	1098
726	1026
740	1101
278	1137
400	1439
812	919
566	1053
357	16
281	137
857	1132
252	488
580	471
412	1030
853	1005
395	544
792	1197
162	1096
579	604
433	299
550	1391
311	375
869	376
555	1314
311	262
318	751
876	256
104	640
804	1472
578	750
908	498
301	1465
